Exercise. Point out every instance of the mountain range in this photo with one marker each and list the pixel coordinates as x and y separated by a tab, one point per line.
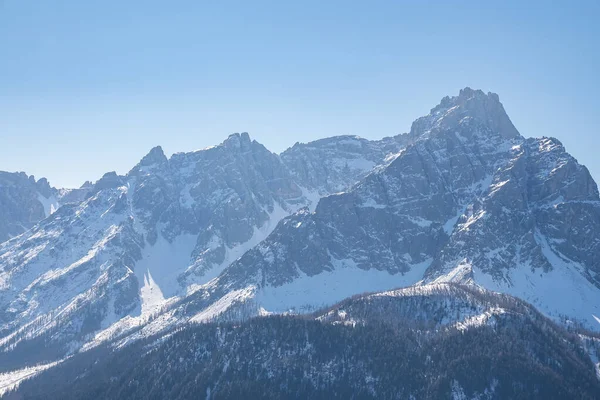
461	202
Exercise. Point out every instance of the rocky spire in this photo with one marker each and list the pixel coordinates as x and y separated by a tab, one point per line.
155	156
238	140
484	109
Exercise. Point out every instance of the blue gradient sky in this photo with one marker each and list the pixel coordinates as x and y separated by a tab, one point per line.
89	87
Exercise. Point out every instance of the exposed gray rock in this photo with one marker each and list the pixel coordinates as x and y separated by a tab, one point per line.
68	196
333	164
23	202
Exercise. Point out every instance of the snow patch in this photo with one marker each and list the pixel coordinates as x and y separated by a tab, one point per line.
159	269
548	291
50	204
371	203
308	293
312	198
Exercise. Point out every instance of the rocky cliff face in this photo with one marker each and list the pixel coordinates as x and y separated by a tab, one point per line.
23	202
333	164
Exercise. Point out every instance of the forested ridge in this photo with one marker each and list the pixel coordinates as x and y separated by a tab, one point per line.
521	355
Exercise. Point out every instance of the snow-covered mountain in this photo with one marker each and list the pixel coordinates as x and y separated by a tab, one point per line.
136	243
469	200
234	231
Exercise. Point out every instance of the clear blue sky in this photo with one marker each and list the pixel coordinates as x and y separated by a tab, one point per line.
90	86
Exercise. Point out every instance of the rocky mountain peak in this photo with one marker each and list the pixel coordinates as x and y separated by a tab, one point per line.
470	106
44	187
23	202
240	141
109	180
155	156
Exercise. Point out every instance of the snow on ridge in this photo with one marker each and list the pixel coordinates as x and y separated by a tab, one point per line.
421	289
11	380
485	318
220	306
460	274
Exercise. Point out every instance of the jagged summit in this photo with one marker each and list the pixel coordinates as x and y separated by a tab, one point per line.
238	140
23	202
485	110
109	180
331	140
44	188
155	156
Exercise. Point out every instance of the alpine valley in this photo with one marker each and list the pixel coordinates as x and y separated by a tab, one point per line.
458	260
